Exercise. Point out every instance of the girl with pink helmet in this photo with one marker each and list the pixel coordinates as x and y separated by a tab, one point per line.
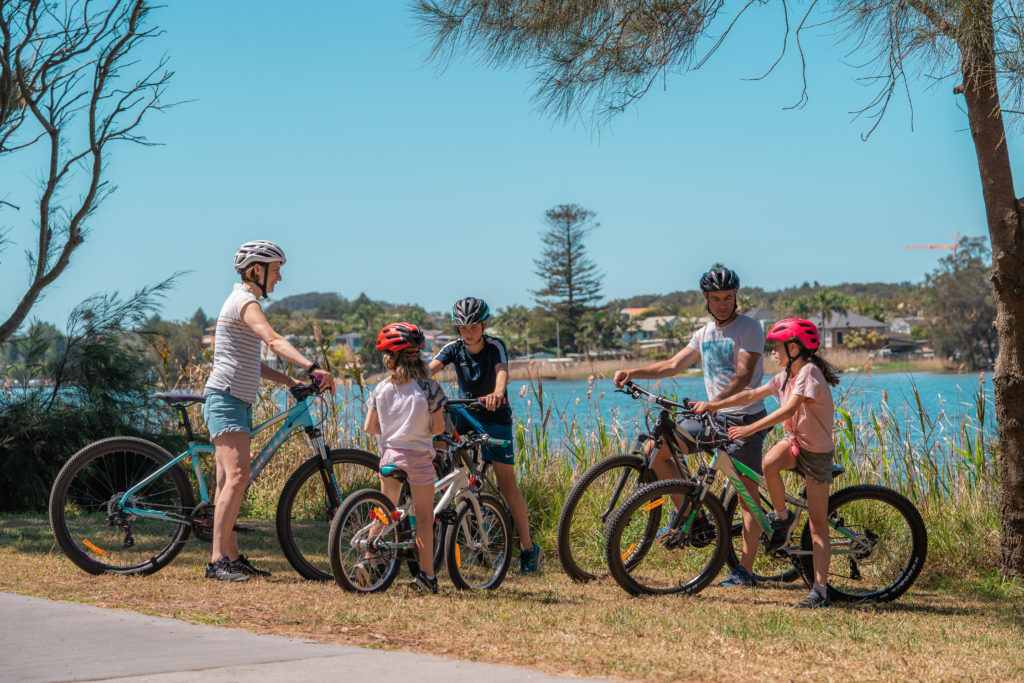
806	415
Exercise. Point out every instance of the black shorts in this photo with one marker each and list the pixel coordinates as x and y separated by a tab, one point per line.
751	453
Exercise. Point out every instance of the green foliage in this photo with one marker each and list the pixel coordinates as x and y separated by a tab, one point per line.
99	391
960	296
863	339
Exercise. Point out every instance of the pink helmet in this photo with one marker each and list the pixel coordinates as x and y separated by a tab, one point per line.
795	329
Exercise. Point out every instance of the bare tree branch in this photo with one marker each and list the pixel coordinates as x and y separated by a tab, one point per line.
66	79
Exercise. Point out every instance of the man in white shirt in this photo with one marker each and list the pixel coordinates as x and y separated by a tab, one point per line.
730	350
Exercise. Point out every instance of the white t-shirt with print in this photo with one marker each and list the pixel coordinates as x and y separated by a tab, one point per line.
405	411
719	349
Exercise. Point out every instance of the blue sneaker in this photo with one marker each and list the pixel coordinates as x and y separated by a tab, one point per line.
739	577
529	560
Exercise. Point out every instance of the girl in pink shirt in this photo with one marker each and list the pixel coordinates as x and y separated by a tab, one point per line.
806	416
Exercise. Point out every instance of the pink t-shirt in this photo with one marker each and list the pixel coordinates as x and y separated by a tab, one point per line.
812	424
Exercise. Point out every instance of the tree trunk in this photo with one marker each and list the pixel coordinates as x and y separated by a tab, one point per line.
1005	231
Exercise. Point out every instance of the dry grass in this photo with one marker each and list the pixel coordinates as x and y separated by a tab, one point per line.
551	624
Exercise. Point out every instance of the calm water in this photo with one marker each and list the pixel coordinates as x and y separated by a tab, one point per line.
942	395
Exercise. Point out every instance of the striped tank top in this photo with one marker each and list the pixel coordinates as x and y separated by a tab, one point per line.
236	349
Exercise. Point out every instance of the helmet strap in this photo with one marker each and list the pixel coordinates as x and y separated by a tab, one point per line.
266	274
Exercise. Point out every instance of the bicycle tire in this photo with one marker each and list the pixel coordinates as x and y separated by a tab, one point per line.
350	529
897	540
475	562
82	507
767	568
306	508
644	564
581	532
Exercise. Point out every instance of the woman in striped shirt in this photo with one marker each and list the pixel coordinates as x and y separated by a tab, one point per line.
231	390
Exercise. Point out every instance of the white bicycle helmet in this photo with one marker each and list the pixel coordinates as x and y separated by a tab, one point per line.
257	251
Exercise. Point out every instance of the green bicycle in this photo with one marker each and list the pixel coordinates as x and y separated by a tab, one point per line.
878	538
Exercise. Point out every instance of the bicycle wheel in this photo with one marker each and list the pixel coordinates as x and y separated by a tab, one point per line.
307	506
878	542
478	550
587	508
91	527
362	558
643	561
766	567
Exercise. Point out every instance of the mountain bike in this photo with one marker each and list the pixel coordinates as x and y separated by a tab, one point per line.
878	539
602	487
370	536
124	505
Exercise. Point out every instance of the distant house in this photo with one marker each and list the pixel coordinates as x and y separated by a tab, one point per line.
631	312
208	335
841	324
764	316
907	325
353	340
648	328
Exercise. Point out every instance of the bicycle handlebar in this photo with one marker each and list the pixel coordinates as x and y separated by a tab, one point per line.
719	433
304	391
636	391
470	402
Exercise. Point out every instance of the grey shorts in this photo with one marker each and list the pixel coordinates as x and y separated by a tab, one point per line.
816	466
751	453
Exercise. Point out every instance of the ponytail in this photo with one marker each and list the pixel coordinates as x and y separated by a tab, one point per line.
830	372
827	369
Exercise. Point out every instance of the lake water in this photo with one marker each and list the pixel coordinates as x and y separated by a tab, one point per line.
943	397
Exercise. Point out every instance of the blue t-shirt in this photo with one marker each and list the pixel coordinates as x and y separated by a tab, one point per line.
477	373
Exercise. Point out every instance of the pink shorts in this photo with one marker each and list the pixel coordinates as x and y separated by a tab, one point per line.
419	465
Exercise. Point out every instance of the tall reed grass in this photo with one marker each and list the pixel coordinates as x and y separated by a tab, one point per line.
947	463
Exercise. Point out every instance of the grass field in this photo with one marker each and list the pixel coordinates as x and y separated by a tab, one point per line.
943	629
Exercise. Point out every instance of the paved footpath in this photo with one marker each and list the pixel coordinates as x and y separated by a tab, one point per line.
43	640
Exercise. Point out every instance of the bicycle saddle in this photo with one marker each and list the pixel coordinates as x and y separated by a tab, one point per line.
394	471
173	398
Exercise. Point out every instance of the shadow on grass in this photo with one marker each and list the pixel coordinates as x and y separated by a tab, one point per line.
26	533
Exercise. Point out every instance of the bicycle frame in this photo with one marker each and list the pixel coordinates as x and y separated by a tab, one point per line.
732	468
294	419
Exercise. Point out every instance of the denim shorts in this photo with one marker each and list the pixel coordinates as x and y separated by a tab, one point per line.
224	413
750	453
501	454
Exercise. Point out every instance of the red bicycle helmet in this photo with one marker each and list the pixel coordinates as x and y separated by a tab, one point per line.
399	336
795	329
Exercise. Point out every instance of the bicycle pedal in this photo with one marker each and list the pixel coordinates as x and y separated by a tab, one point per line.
446	516
242	529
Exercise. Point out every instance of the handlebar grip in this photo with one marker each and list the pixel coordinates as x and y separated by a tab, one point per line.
501	443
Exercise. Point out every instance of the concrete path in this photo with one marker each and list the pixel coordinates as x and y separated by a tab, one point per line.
43	640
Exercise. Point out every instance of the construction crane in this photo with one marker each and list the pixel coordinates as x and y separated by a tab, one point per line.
951	247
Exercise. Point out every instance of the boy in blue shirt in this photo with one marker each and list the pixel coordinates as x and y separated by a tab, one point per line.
481	368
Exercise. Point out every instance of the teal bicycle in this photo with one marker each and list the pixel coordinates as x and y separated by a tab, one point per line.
674	536
125	505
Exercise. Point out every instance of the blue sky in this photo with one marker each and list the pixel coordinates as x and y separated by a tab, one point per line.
324	130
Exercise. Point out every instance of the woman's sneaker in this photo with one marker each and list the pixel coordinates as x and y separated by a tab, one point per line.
225	570
814	600
242	564
424	583
529	560
739	577
782	529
